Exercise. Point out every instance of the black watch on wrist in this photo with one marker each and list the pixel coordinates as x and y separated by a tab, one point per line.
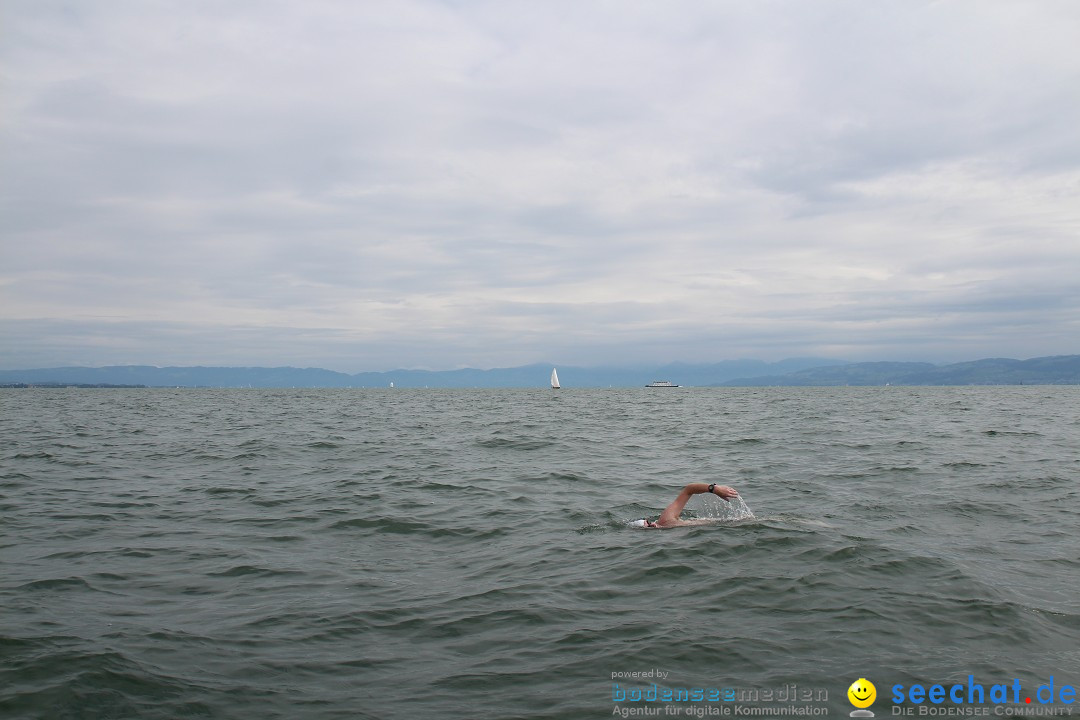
711	487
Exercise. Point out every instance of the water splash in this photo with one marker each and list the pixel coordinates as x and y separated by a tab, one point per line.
714	508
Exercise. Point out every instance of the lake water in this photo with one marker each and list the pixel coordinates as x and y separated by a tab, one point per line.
465	553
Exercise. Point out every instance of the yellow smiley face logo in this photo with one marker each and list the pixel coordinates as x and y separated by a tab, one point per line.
862	693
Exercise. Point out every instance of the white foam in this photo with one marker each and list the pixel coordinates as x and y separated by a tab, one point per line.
715	508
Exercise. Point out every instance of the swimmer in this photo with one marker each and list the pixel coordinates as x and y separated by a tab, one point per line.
670	516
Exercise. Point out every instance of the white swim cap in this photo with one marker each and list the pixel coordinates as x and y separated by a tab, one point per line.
638	523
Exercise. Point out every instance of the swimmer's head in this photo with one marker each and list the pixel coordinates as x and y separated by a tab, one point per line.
643	523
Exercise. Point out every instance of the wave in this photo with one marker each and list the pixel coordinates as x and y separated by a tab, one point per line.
523	443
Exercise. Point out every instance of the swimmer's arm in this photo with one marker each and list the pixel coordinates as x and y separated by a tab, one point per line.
721	490
671	513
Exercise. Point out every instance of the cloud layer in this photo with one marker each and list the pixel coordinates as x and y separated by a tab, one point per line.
371	185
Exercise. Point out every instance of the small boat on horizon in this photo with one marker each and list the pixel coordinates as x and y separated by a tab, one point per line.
661	384
555	380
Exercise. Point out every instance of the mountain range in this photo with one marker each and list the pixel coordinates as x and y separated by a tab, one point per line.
1055	370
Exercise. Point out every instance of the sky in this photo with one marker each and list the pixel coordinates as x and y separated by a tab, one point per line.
378	185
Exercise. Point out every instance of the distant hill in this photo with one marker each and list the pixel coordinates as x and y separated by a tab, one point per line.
180	376
1059	370
1055	370
535	375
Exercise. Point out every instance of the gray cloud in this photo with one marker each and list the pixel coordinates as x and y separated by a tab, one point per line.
437	184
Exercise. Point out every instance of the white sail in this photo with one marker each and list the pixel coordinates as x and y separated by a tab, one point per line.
554	380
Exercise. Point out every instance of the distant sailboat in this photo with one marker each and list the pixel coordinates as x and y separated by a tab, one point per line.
554	380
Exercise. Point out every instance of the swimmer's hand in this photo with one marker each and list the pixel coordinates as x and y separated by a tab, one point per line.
725	492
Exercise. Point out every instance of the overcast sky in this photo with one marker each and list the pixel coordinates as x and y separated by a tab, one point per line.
374	185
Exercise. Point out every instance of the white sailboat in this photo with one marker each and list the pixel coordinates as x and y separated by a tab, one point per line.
554	380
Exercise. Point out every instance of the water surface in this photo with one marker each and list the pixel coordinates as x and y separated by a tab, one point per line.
458	553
